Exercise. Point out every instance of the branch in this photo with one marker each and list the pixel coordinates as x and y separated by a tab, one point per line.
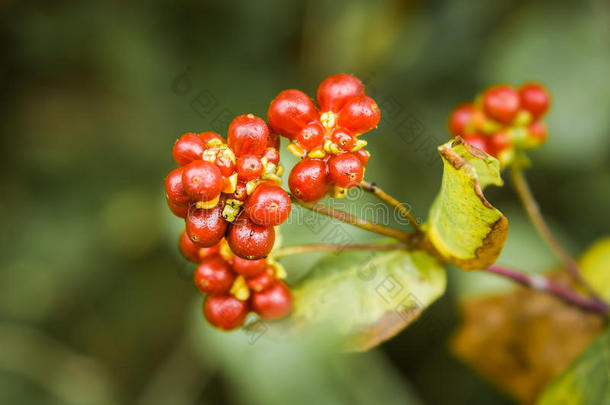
391	201
541	283
295	250
533	211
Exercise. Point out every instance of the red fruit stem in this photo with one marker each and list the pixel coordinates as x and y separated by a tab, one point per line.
299	249
543	284
533	210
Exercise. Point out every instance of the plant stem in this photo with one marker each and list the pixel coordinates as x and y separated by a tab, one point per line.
533	211
391	201
359	222
543	284
298	249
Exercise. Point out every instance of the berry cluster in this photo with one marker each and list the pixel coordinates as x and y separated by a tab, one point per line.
333	158
230	189
503	119
236	286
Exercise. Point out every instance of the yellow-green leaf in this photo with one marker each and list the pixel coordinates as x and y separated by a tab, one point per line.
366	298
595	265
463	226
586	381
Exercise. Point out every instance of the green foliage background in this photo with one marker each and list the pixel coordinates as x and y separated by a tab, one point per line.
96	304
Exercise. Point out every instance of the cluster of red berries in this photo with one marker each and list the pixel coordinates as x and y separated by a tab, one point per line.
333	158
503	119
236	286
230	189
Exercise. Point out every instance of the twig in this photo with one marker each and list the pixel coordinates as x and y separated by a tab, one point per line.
543	284
391	201
295	250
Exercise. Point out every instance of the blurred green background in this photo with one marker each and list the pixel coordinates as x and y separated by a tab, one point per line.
96	306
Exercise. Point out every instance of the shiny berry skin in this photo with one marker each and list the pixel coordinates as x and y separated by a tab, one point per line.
272	155
478	141
209	251
535	99
460	118
311	135
225	311
202	180
241	192
268	205
290	112
359	115
336	90
308	180
247	135
178	210
345	170
209	135
213	276
248	268
497	143
262	281
538	131
225	165
189	250
249	167
501	103
249	240
363	155
187	148
206	227
274	302
174	188
342	138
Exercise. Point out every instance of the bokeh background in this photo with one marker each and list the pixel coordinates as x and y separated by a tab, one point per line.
96	305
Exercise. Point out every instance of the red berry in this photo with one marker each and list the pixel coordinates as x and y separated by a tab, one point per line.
189	250
311	135
261	281
174	189
363	155
225	312
268	205
272	155
478	141
345	170
342	138
535	99
248	268
213	276
225	165
178	210
247	135
273	140
497	143
208	136
209	251
249	167
538	131
187	148
290	111
308	180
336	90
202	180
273	303
241	192
359	115
460	118
249	240
501	103
206	227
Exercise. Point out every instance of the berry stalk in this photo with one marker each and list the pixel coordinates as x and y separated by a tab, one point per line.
356	221
543	284
299	249
533	211
391	201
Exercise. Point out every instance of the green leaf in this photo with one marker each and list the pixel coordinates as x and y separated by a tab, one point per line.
586	381
463	226
366	297
595	266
